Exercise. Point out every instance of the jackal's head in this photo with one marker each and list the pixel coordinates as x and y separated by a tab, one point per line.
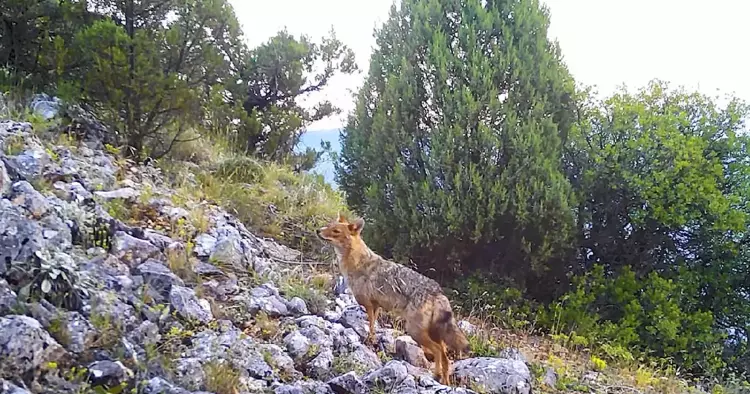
341	232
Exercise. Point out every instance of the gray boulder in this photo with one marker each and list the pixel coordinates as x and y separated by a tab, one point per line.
7	298
24	195
5	182
20	238
494	375
408	350
123	193
7	387
25	346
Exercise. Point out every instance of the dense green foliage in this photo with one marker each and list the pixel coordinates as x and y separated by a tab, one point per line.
621	222
156	71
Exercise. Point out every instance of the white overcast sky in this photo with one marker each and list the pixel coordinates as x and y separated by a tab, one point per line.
605	43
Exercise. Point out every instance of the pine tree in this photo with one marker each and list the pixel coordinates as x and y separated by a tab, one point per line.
454	150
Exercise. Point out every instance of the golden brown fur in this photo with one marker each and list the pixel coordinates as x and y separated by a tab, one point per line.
380	283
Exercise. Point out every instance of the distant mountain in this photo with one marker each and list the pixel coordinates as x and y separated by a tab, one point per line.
312	139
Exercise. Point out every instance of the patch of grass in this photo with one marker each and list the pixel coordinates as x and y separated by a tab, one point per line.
345	363
264	327
119	209
221	377
312	292
181	262
14	145
199	219
274	200
108	330
481	345
58	329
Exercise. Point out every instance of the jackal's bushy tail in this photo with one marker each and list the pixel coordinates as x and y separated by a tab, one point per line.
444	328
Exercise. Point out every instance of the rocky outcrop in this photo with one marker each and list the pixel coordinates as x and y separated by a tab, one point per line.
88	300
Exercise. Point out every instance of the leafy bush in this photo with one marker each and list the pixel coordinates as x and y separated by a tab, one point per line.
649	316
498	301
49	276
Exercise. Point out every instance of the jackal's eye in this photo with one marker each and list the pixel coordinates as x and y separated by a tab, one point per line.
336	231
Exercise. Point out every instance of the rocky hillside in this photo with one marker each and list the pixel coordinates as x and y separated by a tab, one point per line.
111	282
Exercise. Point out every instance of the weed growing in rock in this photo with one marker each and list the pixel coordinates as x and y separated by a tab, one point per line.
109	331
13	145
598	364
180	262
482	345
345	363
221	377
59	330
312	292
265	327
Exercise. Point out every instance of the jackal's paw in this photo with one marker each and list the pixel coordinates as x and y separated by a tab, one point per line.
370	340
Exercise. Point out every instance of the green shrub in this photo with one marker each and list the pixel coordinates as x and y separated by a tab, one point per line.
647	317
500	302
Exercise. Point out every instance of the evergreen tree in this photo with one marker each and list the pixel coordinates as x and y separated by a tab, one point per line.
454	150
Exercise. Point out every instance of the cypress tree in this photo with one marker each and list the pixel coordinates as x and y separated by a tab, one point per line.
453	152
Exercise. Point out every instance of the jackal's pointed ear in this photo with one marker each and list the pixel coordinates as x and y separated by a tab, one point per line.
342	218
356	226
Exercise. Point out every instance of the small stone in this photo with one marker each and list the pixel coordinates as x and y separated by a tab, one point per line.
320	366
347	383
158	385
124	193
296	344
158	276
365	357
228	252
408	350
466	327
131	250
5	182
108	373
24	195
7	387
205	269
550	377
189	306
297	306
265	290
8	299
204	245
273	306
189	373
390	375
355	318
340	286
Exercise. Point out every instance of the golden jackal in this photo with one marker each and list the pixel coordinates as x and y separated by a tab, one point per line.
379	283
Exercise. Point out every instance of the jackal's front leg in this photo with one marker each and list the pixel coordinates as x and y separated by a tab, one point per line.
372	316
